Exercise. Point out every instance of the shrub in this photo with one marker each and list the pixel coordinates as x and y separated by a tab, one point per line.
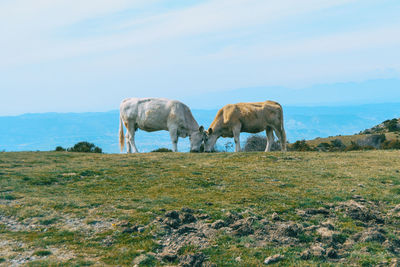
162	149
300	145
259	143
374	141
337	143
392	144
60	148
392	125
355	146
324	147
85	147
255	143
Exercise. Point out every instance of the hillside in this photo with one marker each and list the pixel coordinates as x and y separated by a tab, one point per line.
385	135
228	209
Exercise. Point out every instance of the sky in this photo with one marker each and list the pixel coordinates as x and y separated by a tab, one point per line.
75	56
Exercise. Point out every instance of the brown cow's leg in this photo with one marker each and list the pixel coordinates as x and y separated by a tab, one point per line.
270	138
281	136
236	138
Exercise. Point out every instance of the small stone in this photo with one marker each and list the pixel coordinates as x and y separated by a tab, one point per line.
305	255
371	236
331	253
187	218
320	210
172	214
325	233
358	198
238	259
242	227
129	230
168	256
328	224
124	224
317	251
275	217
192	260
396	208
301	213
232	217
290	229
187	210
218	224
186	229
273	259
202	216
174	223
139	260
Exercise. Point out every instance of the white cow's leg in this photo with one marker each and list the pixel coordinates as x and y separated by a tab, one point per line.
128	142
174	138
132	139
270	138
236	138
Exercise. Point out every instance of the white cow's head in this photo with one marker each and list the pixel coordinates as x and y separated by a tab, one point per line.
196	139
210	138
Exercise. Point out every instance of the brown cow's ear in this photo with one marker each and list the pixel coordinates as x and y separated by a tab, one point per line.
209	130
201	129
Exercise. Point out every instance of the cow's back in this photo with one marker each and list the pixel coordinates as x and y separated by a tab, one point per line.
253	117
148	114
153	114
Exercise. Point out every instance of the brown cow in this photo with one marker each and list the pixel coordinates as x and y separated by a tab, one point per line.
233	119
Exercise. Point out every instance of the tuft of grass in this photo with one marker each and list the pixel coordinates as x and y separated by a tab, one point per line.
42	253
7	197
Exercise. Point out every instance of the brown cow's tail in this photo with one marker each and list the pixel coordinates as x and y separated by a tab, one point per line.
283	133
121	134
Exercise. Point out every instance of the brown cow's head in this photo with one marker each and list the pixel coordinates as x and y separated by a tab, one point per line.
210	138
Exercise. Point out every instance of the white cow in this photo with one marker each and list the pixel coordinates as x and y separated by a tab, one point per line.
233	119
155	114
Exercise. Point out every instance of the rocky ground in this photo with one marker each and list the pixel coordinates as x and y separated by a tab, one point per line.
189	228
178	230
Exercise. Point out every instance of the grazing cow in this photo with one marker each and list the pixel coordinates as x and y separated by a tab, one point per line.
233	119
155	114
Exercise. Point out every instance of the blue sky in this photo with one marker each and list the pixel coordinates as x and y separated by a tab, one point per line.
69	55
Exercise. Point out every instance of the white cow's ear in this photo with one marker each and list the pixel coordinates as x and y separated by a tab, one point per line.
201	129
210	131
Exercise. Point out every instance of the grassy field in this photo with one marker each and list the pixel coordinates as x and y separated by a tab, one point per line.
98	209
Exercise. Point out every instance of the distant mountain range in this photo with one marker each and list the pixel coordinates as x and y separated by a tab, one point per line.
45	131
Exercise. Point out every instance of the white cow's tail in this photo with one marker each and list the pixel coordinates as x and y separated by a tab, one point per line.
121	134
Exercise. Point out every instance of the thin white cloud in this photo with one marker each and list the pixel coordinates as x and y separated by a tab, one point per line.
28	37
55	48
